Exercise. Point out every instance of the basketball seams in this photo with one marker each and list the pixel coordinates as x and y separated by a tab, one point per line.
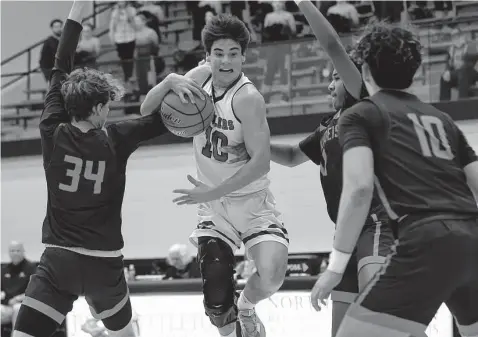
182	113
171	116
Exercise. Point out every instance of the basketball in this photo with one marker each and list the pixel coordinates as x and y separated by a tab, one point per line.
186	120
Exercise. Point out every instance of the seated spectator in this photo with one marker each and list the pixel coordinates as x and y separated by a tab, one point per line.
279	25
181	264
460	72
123	35
343	17
147	46
88	48
245	269
198	11
48	51
154	15
15	278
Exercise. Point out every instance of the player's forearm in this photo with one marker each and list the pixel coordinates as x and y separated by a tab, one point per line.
76	12
69	38
330	41
353	210
323	30
255	168
287	155
155	97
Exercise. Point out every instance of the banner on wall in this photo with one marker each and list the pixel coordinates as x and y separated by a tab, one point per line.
285	314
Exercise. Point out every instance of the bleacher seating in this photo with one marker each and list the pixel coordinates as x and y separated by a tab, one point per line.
307	89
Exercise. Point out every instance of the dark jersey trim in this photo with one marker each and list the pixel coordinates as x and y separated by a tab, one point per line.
207	80
217	99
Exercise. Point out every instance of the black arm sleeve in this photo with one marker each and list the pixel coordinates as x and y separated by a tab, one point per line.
128	135
311	147
54	112
361	125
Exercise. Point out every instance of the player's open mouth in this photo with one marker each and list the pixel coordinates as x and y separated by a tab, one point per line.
225	70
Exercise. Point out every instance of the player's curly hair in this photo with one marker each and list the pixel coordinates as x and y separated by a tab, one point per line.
86	88
225	26
392	53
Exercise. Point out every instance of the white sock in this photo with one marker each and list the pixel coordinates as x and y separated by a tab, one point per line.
243	303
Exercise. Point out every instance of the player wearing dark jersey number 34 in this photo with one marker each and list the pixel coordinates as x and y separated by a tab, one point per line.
85	167
424	172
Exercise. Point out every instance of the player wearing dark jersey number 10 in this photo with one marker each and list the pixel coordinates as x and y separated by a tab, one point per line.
85	167
322	147
424	171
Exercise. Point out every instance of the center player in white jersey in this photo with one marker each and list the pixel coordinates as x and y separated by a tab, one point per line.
234	202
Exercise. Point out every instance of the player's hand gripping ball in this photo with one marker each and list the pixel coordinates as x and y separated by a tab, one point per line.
187	110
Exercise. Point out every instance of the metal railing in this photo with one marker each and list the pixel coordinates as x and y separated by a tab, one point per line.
98	8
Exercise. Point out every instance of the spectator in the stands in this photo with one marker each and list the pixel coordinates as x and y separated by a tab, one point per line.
245	269
48	51
443	8
279	26
15	278
123	35
180	263
155	17
343	16
390	11
88	48
460	72
198	10
147	47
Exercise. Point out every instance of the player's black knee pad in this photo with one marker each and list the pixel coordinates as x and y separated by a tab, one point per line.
35	323
216	261
119	320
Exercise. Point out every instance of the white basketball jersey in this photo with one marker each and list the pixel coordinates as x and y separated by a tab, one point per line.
213	165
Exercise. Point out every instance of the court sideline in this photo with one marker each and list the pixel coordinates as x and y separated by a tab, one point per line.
151	222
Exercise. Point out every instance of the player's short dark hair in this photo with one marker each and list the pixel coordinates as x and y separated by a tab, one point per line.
52	22
86	88
392	53
225	26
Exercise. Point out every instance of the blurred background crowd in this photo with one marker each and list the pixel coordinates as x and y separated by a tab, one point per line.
143	41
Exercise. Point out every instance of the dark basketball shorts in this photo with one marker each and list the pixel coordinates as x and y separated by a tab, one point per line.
434	261
373	246
63	275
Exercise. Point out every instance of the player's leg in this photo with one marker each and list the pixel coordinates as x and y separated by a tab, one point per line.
50	294
216	240
7	314
266	242
216	262
373	247
344	294
15	309
404	296
463	303
107	294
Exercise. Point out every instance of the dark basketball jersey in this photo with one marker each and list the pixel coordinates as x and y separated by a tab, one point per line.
323	148
85	172
419	154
